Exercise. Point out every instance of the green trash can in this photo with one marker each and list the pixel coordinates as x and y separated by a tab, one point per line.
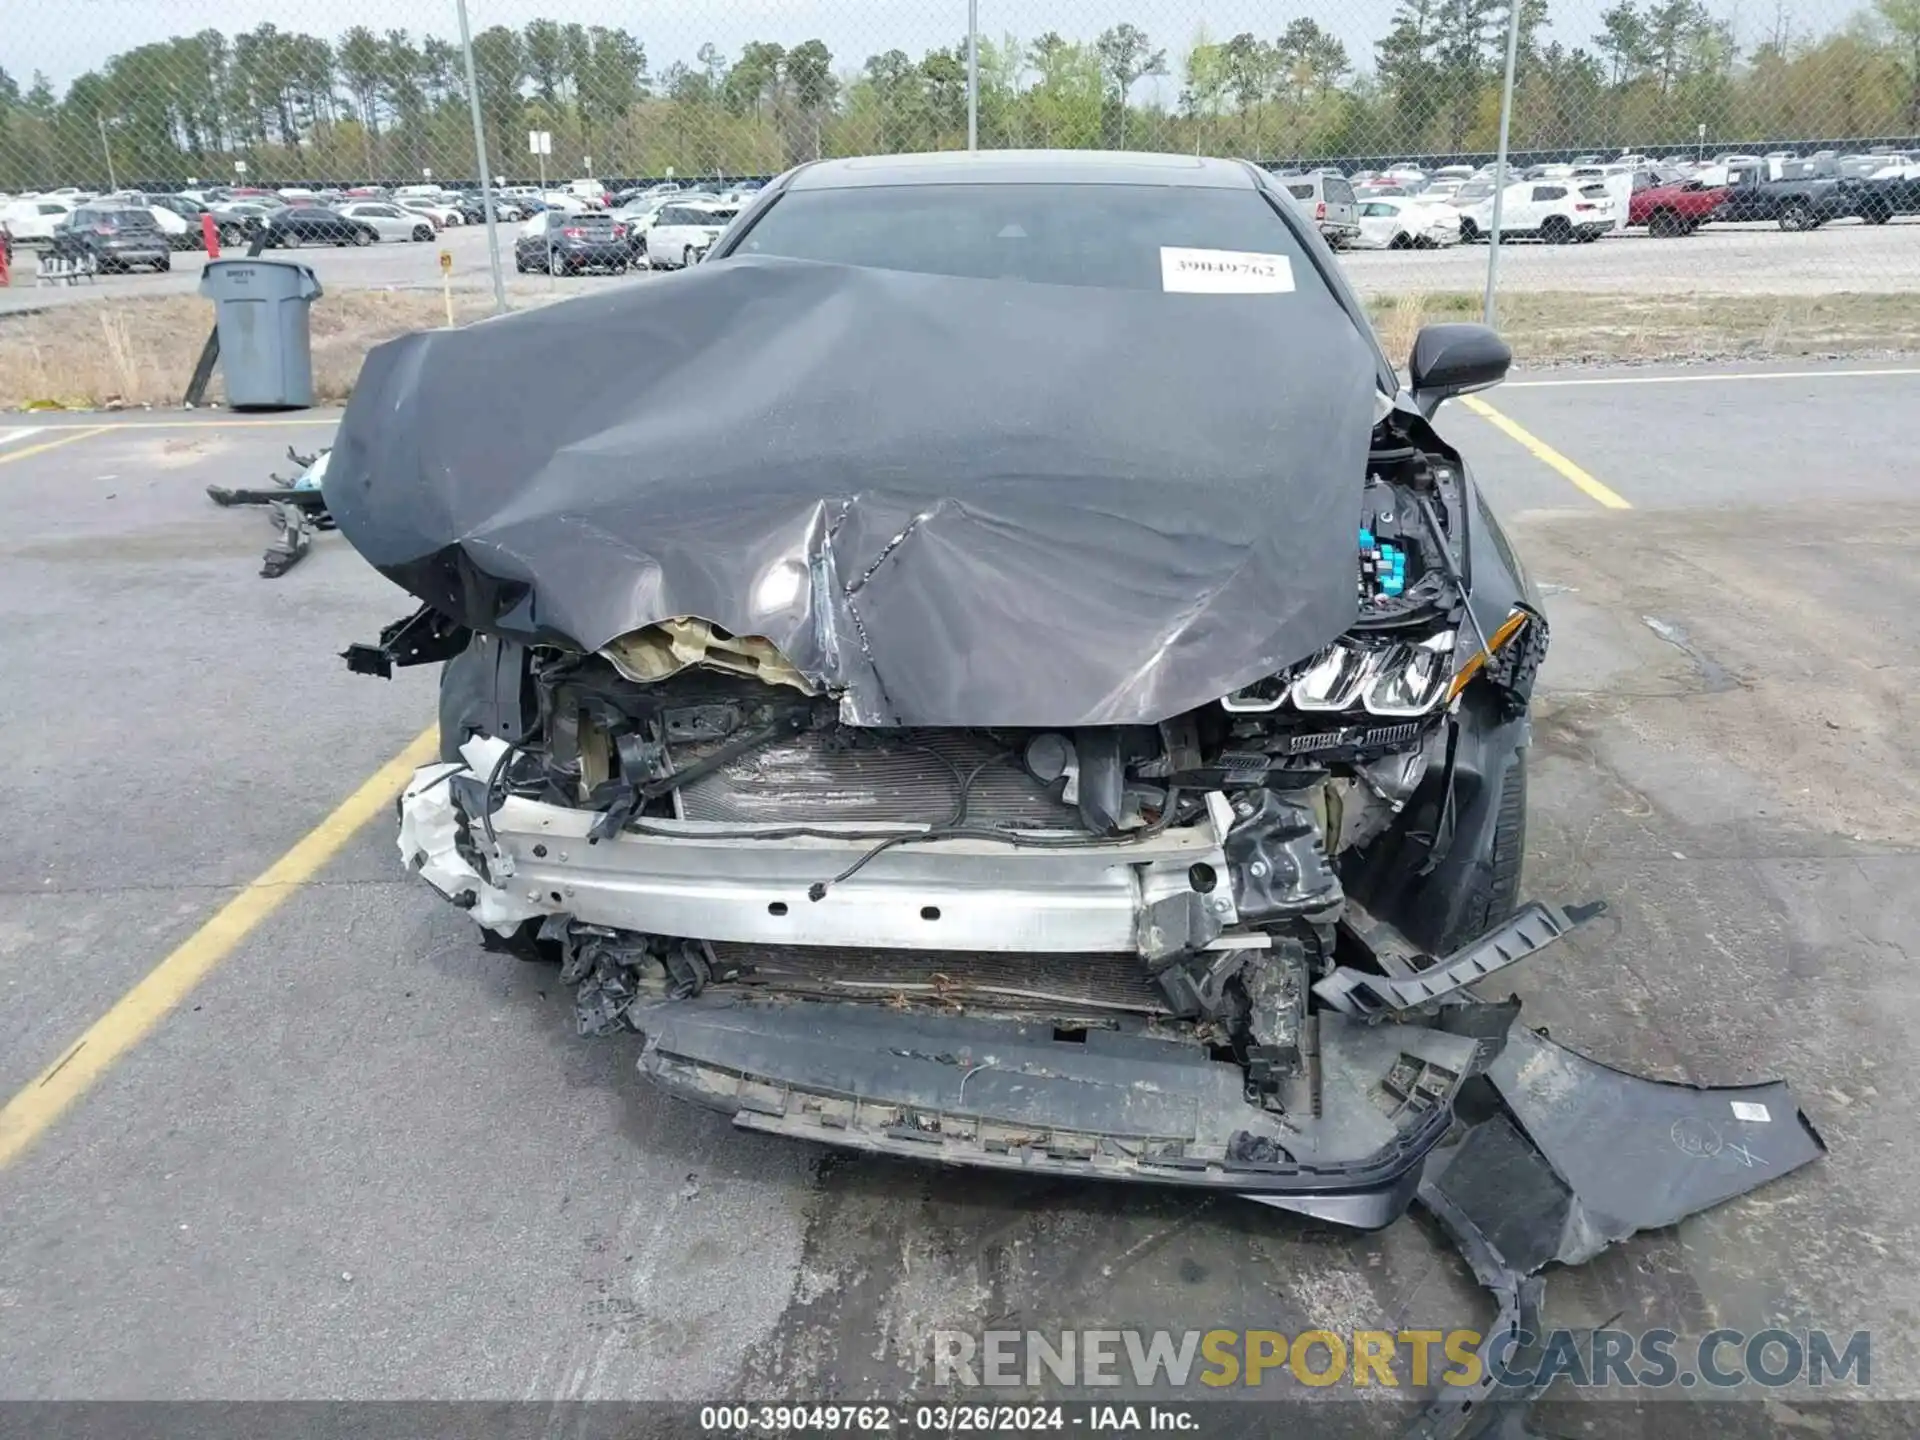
260	310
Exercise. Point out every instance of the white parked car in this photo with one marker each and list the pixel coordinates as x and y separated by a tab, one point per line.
33	220
682	232
1406	223
442	214
1554	210
394	222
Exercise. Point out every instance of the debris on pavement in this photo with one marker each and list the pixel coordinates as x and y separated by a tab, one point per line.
297	507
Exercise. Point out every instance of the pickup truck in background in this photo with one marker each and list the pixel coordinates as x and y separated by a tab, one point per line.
1789	192
1670	211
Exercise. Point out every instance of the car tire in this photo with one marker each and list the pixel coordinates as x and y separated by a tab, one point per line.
1876	212
1797	215
1496	888
686	258
422	233
1665	225
1469	232
163	264
1402	241
1557	230
289	240
556	266
364	237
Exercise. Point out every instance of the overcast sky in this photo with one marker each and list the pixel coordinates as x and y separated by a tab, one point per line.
66	37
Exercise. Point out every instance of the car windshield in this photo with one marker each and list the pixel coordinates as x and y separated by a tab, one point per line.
1106	236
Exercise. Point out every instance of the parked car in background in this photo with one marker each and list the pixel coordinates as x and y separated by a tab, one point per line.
440	212
117	238
1791	193
299	225
684	229
1558	212
562	244
33	219
1404	223
1670	211
1891	190
239	220
1328	201
640	216
390	221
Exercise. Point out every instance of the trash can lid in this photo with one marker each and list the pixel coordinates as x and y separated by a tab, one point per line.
255	279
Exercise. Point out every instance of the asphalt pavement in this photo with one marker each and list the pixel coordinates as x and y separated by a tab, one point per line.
361	1157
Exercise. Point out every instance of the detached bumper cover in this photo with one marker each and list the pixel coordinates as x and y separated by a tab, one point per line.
1107	1106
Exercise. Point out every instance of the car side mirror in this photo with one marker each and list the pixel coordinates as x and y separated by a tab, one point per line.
1454	359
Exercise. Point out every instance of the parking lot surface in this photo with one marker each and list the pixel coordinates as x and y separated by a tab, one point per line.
1744	259
364	1158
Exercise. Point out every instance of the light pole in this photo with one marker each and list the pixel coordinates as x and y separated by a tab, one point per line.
973	74
101	121
480	154
1500	161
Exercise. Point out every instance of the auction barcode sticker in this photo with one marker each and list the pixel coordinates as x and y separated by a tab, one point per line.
1224	272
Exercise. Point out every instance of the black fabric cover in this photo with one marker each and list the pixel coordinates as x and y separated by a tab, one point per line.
952	502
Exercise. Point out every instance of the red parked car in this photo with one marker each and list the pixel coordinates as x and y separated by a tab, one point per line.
1670	211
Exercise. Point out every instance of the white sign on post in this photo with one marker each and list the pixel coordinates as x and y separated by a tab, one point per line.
539	142
239	167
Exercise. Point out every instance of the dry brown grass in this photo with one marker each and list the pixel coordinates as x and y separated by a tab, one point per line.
1556	329
142	351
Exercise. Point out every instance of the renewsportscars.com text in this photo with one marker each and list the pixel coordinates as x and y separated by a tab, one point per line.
1604	1358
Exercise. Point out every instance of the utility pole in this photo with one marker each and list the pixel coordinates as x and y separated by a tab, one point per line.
486	170
112	182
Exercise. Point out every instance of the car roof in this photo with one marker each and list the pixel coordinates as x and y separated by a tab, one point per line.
1024	167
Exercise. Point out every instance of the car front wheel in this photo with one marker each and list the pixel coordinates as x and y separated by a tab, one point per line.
556	267
288	239
1797	215
1558	230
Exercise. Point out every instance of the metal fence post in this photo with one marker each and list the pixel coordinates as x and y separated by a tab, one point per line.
480	154
973	74
1500	163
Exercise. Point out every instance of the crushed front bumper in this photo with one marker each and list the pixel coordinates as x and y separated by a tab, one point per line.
703	881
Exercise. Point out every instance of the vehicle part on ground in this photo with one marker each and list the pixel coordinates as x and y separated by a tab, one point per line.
296	504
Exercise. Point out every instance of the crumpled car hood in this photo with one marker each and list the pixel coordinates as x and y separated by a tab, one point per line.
950	502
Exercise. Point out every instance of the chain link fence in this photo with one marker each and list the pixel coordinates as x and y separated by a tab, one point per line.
1805	112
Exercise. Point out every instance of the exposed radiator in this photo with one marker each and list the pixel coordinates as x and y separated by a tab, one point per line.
828	776
1049	982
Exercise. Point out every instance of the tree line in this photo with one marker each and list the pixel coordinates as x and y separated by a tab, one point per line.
392	105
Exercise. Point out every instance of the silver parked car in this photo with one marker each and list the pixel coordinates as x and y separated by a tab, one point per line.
1328	201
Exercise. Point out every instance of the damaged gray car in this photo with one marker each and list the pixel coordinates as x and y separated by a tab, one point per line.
1003	672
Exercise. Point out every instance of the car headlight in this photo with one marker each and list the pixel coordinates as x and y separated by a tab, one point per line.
1394	678
1410	679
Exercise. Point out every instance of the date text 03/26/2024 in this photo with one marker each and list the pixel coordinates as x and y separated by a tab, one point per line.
1087	1419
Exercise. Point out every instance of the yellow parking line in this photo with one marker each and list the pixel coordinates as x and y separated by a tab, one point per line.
213	424
32	1112
45	445
1546	454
